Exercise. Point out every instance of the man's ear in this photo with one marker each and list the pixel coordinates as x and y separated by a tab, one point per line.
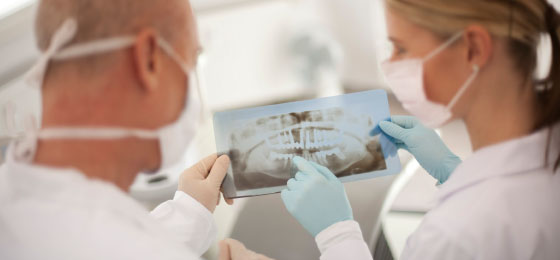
480	45
145	54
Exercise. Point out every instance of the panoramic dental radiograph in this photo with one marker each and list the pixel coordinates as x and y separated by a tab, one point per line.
261	150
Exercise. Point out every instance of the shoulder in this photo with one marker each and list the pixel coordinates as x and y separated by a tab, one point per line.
504	217
66	220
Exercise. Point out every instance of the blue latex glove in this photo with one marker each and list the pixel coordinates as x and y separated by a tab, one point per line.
315	197
424	143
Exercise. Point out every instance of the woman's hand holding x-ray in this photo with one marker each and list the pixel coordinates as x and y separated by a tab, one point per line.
424	143
315	197
204	179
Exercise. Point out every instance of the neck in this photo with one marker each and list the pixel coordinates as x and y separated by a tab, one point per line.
499	115
109	161
70	101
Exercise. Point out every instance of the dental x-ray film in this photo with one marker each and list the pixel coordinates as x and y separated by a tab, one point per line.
340	133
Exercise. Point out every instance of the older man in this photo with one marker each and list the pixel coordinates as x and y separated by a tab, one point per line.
118	99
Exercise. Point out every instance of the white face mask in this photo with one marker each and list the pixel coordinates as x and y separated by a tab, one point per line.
406	78
174	138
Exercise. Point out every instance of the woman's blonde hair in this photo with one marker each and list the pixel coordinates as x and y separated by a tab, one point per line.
521	22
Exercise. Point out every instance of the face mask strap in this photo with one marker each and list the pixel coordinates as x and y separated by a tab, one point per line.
463	88
94	133
169	50
444	46
95	47
61	37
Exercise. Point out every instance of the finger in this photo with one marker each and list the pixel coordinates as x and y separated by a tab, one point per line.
300	176
229	201
237	249
219	171
305	167
286	196
203	167
402	146
263	257
225	254
324	171
393	130
293	184
375	131
406	122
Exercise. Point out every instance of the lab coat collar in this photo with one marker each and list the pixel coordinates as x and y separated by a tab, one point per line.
517	156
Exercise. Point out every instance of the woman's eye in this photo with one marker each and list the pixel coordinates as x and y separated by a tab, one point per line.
397	50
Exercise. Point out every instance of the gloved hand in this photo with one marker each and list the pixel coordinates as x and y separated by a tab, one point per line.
231	249
424	143
315	197
204	179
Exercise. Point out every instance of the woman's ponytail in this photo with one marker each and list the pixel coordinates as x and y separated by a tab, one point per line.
550	98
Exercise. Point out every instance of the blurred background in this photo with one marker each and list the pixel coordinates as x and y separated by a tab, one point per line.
259	52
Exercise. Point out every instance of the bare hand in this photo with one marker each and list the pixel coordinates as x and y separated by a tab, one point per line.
204	179
231	249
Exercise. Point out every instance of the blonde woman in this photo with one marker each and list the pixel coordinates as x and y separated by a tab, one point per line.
471	60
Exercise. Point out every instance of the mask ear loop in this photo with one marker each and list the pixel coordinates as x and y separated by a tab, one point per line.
463	88
169	50
61	37
25	148
444	46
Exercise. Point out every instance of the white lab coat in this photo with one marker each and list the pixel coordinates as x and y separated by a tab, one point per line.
48	213
501	203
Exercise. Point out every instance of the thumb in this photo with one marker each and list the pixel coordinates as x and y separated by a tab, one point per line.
406	122
393	130
305	167
219	171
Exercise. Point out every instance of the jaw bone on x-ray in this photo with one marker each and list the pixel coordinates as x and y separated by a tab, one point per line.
262	150
261	147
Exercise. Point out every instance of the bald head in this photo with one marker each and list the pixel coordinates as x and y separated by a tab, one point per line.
106	18
98	19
